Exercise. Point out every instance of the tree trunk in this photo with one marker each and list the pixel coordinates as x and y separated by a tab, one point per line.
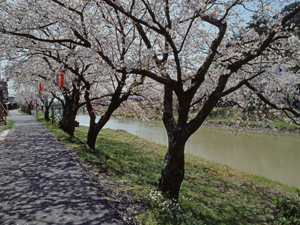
28	110
115	102
92	136
46	115
172	173
67	123
95	128
93	132
173	169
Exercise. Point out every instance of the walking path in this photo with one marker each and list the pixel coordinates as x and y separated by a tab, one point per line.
40	183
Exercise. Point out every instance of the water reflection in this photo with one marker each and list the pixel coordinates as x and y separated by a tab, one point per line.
261	154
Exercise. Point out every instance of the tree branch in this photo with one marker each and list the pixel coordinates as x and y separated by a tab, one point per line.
268	102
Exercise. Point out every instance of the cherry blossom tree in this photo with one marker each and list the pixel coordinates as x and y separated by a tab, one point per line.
108	88
70	95
29	64
202	53
29	15
76	52
24	77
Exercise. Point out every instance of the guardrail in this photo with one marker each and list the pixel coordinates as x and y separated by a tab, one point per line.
3	113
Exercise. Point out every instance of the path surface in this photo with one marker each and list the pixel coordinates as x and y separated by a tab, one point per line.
40	183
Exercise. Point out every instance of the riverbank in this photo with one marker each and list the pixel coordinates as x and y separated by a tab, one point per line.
252	129
229	126
227	118
129	168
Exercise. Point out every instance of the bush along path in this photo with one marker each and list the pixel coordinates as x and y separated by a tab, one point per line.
41	184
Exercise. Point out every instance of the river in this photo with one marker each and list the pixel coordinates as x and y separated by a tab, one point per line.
276	158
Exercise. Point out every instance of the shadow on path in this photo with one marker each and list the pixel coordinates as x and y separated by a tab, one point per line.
40	183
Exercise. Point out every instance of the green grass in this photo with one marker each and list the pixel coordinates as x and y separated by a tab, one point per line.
20	111
129	168
8	125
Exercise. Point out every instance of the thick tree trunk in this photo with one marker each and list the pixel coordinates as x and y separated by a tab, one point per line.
178	133
92	136
95	128
93	132
67	123
46	114
172	173
173	170
28	110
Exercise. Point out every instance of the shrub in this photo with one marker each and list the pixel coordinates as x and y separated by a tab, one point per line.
289	211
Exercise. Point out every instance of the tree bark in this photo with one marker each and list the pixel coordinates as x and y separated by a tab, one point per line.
93	132
67	123
172	173
28	110
95	128
47	109
178	133
92	136
47	105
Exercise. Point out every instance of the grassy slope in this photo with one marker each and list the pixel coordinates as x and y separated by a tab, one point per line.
129	168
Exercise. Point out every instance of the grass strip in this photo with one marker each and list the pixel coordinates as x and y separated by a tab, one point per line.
8	125
129	168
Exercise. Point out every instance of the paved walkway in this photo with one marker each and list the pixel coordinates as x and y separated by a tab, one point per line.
40	183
